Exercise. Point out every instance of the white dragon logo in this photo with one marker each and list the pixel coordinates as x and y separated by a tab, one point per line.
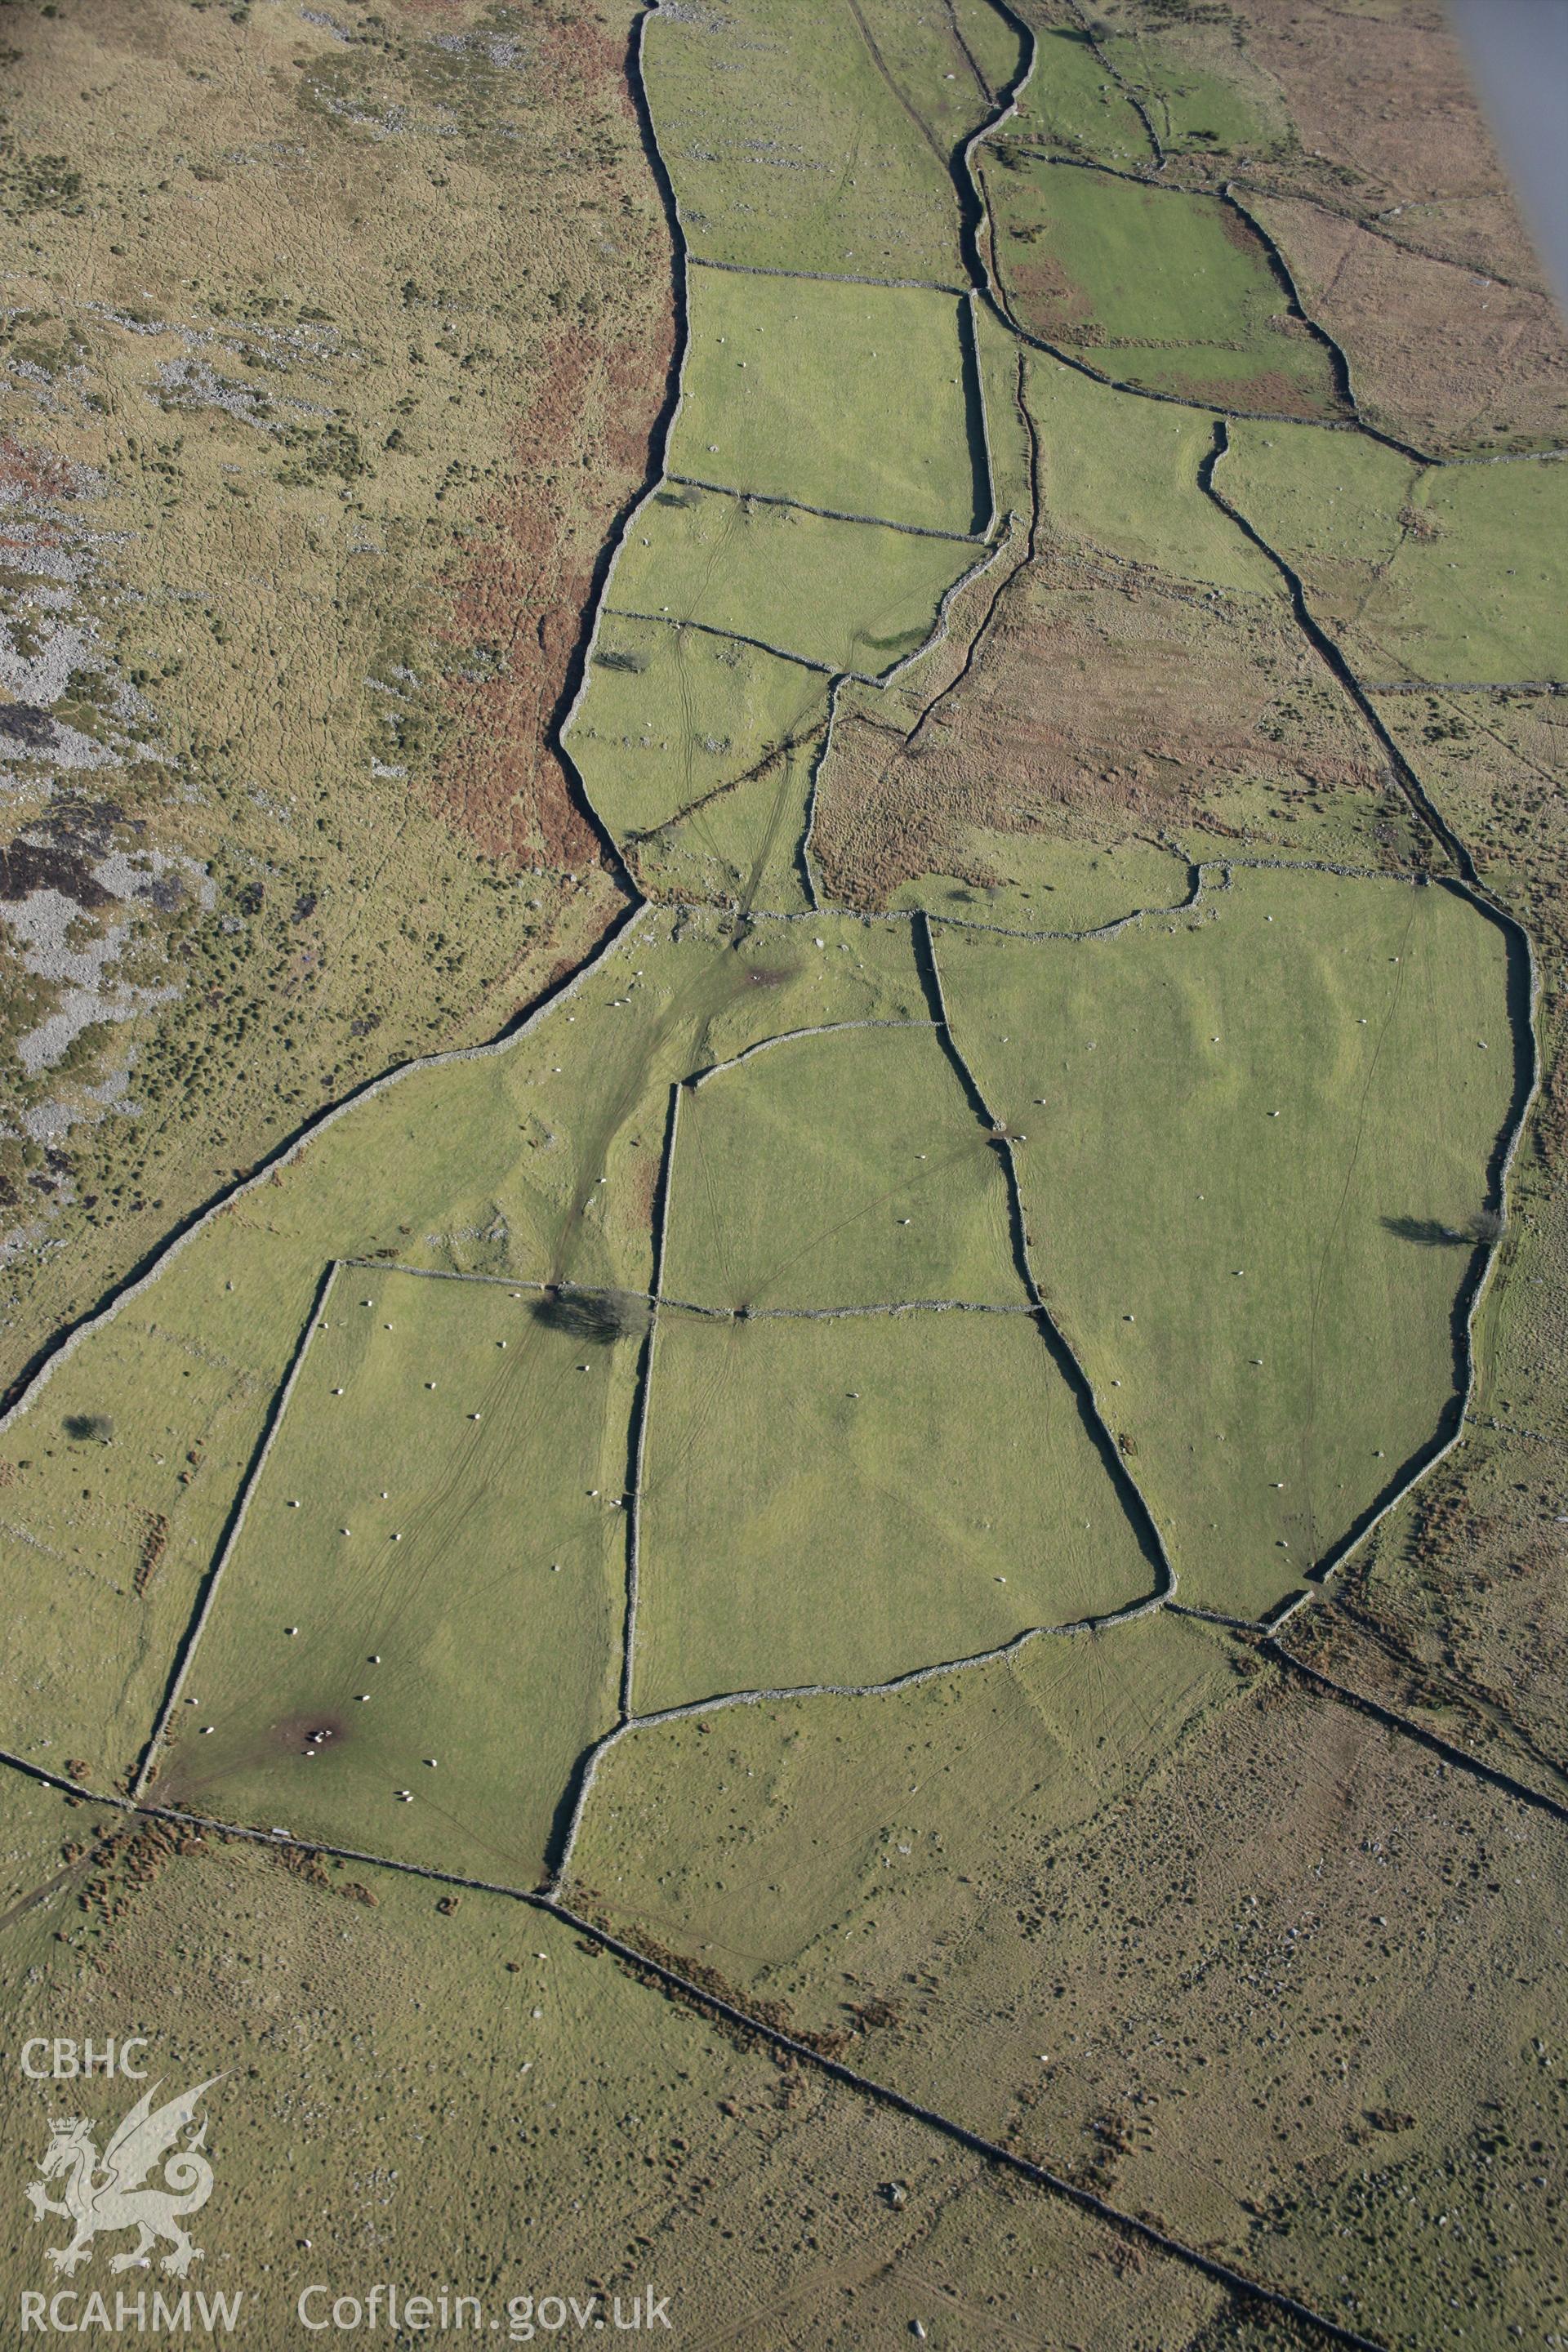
106	2193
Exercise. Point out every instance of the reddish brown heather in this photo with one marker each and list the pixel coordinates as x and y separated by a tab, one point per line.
583	450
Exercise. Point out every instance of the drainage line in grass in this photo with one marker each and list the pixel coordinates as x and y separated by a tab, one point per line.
814	897
750	775
822	277
976	538
640	1409
710	629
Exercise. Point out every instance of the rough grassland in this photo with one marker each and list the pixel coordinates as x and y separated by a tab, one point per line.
847	595
436	2027
1230	1955
772	1829
843	1501
435	1519
672	716
850	398
1173	291
834	1171
1441	355
1171	716
491	1165
1424	172
1490	764
798	154
1456	574
1106	696
1263	1137
622	2140
333	347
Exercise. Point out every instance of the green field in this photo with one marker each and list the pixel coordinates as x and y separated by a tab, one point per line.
1258	1129
1044	883
743	848
806	153
1072	103
108	1542
490	1166
1173	291
845	1500
440	1519
847	595
1457	572
1124	475
673	716
851	397
1205	95
833	1171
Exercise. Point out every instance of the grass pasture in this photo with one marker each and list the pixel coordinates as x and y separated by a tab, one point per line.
1456	574
846	596
102	1543
1171	291
673	717
843	1500
858	398
1124	475
794	144
744	847
1045	883
990	40
436	1517
1073	106
1205	95
1479	588
846	1169
491	1166
1256	1138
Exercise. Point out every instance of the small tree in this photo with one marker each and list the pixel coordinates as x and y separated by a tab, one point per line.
92	1427
599	1317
